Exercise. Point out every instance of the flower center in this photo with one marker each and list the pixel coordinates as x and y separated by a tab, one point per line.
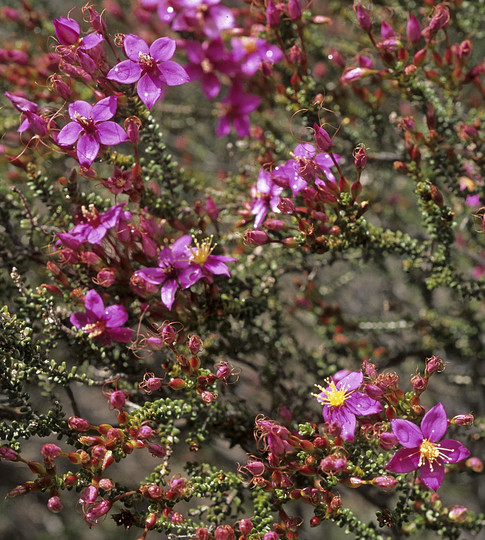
95	329
202	251
332	396
147	62
91	215
86	123
249	45
429	451
207	66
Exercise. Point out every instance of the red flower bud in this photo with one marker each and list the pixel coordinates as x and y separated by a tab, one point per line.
363	18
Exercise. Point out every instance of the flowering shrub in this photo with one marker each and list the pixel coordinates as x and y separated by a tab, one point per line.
181	267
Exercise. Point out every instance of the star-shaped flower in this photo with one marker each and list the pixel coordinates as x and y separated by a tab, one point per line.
422	450
150	66
100	322
342	403
90	128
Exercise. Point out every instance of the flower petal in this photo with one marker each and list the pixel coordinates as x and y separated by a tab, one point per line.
434	423
162	49
210	84
352	381
79	320
111	133
453	450
82	108
126	72
407	433
69	134
133	46
94	305
91	40
123	335
152	275
432	477
173	74
404	460
168	292
87	149
190	275
149	89
115	316
104	109
362	405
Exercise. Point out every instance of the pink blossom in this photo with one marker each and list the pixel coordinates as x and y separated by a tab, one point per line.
422	450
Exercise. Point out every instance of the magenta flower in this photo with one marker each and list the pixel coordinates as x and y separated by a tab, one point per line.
208	264
94	226
266	195
90	128
68	32
100	322
342	403
150	66
32	119
252	51
236	107
206	60
422	450
174	270
205	15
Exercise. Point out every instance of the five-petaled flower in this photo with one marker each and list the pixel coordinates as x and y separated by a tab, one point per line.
102	323
342	403
90	128
422	450
150	66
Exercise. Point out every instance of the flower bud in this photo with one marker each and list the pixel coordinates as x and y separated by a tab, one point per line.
168	334
132	127
211	209
475	464
245	526
271	535
387	441
256	238
286	205
194	344
106	277
54	504
117	399
458	513
202	534
157	450
384	481
107	484
8	454
322	138
413	29
272	18
363	18
434	365
294	10
176	384
224	532
463	419
67	30
440	18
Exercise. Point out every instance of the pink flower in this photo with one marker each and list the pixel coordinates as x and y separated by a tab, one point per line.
341	403
102	323
90	128
252	51
236	107
422	450
150	66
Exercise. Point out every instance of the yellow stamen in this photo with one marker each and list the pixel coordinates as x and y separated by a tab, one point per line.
335	397
202	251
249	44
